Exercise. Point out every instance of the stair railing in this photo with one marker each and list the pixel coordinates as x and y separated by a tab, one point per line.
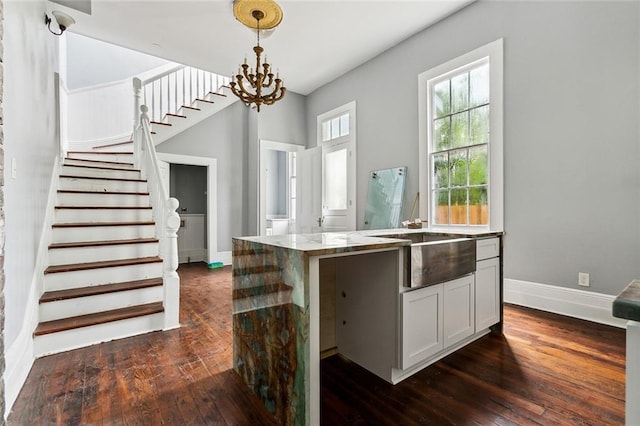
165	215
174	88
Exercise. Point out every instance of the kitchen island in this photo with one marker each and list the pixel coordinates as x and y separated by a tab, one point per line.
297	296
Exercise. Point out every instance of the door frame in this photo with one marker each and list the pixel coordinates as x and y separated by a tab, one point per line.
212	199
266	145
350	141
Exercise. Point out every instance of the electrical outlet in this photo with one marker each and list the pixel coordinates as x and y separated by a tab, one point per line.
583	279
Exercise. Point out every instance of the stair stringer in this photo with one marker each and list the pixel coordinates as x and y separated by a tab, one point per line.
193	117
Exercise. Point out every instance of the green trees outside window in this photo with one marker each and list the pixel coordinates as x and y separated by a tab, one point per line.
459	155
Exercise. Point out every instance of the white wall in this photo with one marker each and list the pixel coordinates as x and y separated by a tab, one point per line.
100	114
92	62
571	129
30	139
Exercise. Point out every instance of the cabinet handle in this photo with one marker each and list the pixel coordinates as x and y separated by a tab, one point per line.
344	295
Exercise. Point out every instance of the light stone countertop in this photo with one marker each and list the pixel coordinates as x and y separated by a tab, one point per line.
335	242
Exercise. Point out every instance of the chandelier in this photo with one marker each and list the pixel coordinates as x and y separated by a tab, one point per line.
257	85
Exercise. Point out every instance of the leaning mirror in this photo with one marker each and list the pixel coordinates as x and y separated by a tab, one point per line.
384	198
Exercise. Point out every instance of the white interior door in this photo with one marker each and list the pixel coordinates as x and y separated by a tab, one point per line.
309	191
337	202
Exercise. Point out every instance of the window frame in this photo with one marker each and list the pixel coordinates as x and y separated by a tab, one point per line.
493	54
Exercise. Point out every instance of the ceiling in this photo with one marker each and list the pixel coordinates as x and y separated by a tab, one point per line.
316	42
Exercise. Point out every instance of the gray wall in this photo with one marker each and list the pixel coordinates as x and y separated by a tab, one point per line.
571	88
29	138
189	186
276	183
91	62
223	137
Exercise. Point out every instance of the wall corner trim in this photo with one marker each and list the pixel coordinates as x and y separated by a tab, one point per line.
587	305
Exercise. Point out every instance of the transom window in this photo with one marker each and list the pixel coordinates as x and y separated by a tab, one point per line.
335	127
460	149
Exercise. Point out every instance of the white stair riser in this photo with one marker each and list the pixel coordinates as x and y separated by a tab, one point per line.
102	233
102	302
80	184
71	339
105	164
113	158
78	279
102	215
65	256
93	172
112	200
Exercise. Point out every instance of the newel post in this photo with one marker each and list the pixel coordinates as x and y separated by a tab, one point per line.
170	265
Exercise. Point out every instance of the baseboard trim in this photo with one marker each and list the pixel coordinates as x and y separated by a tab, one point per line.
224	257
192	255
571	302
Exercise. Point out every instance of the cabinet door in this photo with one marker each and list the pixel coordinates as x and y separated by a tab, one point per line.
459	312
422	315
487	293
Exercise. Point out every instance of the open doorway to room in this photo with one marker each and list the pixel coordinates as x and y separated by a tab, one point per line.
277	189
188	183
178	172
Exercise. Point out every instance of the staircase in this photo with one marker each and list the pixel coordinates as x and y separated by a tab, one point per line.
105	275
181	97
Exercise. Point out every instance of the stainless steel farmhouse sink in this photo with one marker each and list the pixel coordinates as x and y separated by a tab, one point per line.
436	258
441	260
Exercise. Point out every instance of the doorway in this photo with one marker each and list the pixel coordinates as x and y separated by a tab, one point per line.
188	184
277	187
211	223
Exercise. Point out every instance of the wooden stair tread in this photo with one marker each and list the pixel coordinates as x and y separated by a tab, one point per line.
86	166
102	264
53	296
218	94
83	191
175	115
190	107
71	323
103	178
103	207
100	152
102	243
161	123
115	163
88	224
113	144
206	101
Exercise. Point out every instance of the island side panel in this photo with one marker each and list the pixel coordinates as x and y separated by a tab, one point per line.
270	327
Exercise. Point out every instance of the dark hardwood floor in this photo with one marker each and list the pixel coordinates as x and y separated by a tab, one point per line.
545	369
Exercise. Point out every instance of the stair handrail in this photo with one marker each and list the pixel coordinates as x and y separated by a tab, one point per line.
164	212
171	89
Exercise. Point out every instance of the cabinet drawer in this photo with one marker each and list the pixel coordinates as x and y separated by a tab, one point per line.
487	248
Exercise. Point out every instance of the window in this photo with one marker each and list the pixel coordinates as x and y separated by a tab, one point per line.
461	141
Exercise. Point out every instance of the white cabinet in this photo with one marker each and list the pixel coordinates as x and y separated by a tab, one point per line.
436	317
459	310
422	316
487	293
